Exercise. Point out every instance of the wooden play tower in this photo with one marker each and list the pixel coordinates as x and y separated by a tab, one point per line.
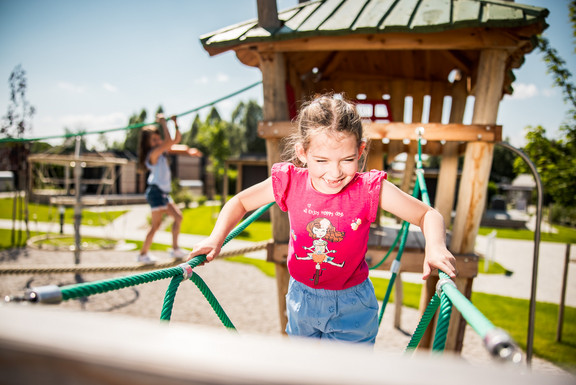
404	52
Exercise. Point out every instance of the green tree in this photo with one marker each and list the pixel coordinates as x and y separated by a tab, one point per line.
131	142
16	123
503	165
189	137
555	162
213	141
554	159
246	116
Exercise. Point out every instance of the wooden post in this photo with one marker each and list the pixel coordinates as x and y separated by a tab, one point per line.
475	174
478	157
562	305
273	67
448	176
268	14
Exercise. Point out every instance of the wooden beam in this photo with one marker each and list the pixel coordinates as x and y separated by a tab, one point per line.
412	259
461	39
436	132
453	132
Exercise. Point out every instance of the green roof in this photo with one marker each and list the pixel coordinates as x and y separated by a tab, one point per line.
345	17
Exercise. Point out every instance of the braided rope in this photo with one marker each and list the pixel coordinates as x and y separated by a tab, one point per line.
443	323
112	268
423	324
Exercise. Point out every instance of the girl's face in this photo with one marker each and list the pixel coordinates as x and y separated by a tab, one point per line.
155	140
332	161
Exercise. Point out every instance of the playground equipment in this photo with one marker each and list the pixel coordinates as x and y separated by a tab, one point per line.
39	165
496	341
415	55
481	50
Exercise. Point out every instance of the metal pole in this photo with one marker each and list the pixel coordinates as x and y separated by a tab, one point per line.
563	295
78	204
537	230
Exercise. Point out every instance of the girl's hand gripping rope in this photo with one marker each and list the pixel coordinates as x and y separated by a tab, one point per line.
438	257
206	247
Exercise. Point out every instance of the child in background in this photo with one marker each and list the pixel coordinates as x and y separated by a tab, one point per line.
152	156
331	206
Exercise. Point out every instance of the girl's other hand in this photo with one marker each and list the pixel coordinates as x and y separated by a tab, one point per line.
438	257
194	152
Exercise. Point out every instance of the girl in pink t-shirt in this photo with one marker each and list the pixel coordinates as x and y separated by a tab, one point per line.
331	206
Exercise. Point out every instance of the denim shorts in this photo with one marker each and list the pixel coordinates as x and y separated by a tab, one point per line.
349	315
157	198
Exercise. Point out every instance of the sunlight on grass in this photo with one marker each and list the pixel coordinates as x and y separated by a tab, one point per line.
564	234
49	213
201	220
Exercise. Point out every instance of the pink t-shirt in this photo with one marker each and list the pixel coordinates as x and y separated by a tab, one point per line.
328	232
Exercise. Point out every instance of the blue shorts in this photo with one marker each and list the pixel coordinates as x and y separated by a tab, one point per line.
344	315
157	198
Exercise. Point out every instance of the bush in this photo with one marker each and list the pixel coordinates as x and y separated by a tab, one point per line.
560	215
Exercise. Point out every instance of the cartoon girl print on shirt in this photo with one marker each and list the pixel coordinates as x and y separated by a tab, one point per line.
321	230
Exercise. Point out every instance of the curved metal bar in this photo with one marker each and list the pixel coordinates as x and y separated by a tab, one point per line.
540	190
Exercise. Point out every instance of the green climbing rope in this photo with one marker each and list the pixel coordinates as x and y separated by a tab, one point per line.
481	325
90	288
175	282
443	323
423	324
403	233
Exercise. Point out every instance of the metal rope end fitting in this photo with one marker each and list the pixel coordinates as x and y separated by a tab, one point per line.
186	270
420	131
49	294
440	284
502	346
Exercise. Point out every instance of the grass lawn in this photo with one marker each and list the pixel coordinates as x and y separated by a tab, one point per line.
49	213
201	220
564	234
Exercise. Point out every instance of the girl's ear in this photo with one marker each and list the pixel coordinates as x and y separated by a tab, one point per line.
362	148
301	153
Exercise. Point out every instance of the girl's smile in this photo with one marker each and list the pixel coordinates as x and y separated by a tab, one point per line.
332	161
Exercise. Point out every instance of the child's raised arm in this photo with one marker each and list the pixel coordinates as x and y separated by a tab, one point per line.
166	144
410	209
233	211
181	149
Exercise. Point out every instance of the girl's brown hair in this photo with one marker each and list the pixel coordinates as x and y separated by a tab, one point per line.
144	145
330	113
332	234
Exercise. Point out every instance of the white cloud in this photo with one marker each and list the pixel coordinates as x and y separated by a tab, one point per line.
549	92
222	78
202	80
524	91
109	87
72	88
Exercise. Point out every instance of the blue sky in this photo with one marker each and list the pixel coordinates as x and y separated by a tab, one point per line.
92	64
